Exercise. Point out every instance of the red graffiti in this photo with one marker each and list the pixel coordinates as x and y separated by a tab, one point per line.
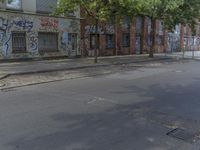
49	22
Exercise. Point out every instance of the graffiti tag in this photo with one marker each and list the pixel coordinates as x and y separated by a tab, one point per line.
4	40
23	24
49	22
33	41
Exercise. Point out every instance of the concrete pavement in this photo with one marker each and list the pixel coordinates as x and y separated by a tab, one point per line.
30	67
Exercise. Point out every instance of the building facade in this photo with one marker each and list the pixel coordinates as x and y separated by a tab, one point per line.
131	37
27	30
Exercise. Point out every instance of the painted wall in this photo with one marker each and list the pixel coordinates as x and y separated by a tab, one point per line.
105	29
32	24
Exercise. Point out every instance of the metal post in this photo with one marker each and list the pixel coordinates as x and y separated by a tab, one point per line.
193	49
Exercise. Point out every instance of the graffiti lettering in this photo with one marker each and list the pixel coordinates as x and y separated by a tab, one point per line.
109	29
49	22
33	41
23	24
92	29
101	29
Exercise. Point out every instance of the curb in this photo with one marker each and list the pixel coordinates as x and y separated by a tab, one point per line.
83	67
3	76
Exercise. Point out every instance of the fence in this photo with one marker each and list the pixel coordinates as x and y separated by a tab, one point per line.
191	48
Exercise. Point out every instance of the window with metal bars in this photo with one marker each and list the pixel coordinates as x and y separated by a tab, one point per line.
48	42
19	42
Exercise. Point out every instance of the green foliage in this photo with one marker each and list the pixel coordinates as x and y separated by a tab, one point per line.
99	9
187	13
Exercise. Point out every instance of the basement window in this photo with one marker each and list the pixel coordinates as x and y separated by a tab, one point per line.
48	42
19	42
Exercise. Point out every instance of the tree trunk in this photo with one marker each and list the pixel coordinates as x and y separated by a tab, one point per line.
153	35
116	37
143	35
96	42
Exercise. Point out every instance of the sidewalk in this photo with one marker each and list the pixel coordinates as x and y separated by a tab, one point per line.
30	67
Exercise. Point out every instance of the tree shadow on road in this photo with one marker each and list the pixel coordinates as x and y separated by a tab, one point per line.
125	127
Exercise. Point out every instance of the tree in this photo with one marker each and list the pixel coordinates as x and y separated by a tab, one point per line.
158	10
170	12
97	9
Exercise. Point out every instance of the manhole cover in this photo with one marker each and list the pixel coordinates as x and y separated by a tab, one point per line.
184	135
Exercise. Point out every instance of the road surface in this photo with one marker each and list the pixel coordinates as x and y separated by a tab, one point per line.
126	110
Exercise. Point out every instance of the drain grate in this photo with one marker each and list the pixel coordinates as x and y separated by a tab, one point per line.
184	135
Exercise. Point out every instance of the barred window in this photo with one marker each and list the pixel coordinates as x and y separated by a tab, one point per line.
19	42
125	39
48	42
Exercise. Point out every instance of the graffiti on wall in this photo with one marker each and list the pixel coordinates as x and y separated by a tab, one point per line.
91	29
3	24
5	36
32	25
74	25
109	29
23	24
50	23
4	40
103	29
64	41
32	41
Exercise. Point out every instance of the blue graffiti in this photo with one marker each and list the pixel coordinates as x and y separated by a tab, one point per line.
23	24
4	42
3	24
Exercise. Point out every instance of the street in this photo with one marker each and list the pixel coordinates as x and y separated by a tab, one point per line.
132	109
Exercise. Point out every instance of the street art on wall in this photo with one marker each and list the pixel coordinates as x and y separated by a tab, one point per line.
102	29
32	24
22	24
4	42
32	42
74	25
5	36
3	24
49	23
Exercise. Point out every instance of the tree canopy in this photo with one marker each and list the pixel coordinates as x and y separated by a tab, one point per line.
171	12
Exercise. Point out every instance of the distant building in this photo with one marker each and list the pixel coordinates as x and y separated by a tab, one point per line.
131	37
28	31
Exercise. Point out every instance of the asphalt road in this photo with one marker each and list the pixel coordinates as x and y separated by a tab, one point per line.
129	110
